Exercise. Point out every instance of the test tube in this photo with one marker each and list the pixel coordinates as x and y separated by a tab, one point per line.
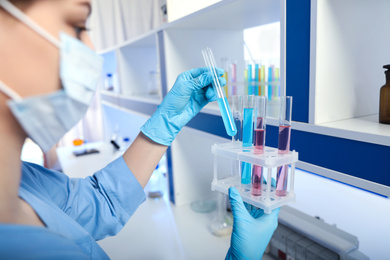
237	115
259	141
262	76
270	80
223	104
260	116
277	83
283	143
247	135
250	79
256	81
233	73
225	66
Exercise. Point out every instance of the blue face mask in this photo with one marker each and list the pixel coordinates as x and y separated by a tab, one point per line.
46	118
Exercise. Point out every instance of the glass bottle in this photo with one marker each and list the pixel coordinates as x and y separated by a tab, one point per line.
384	100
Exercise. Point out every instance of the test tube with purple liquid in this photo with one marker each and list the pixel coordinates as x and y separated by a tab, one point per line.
259	142
283	144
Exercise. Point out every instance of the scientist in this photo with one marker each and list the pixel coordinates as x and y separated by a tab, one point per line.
47	78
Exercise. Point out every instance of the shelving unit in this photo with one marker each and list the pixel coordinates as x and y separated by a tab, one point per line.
335	90
346	64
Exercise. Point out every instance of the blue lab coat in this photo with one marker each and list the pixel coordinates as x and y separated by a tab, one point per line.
76	212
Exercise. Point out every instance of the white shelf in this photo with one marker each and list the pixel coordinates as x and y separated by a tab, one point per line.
144	40
365	125
151	99
231	15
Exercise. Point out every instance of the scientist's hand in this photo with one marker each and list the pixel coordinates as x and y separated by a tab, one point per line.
190	93
252	229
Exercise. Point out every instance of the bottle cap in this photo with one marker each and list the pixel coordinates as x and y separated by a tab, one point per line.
387	72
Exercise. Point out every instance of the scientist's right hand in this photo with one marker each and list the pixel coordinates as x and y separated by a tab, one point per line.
252	229
190	93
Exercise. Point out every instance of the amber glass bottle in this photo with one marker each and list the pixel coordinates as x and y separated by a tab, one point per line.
384	100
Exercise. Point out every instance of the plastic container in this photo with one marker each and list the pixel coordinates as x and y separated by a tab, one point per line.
225	176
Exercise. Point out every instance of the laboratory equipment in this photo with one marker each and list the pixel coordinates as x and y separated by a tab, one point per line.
222	223
262	80
225	66
294	239
270	82
256	80
223	104
203	206
259	142
250	79
238	116
233	73
384	101
283	143
109	84
270	160
247	135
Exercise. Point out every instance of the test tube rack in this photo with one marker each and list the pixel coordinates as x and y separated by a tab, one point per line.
269	160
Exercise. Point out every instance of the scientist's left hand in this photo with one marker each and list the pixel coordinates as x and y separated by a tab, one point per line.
190	93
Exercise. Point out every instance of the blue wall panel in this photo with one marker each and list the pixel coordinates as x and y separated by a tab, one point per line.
363	160
298	57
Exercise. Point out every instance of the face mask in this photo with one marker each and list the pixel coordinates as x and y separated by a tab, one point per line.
46	118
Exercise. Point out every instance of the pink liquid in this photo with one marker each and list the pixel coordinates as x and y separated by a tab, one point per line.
259	141
284	138
259	136
281	181
257	180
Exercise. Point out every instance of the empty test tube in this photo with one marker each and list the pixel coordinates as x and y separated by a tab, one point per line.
259	141
223	104
283	143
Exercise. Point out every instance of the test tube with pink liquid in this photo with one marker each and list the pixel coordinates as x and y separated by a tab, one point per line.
283	144
259	142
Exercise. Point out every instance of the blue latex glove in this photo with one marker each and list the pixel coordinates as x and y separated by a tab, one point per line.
190	93
252	229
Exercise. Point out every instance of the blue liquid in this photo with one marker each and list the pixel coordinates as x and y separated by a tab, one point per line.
238	123
227	116
250	89
246	177
256	79
270	81
247	137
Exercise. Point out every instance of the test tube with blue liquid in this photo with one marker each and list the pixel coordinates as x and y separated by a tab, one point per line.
238	116
223	104
259	142
247	135
256	83
283	144
270	82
